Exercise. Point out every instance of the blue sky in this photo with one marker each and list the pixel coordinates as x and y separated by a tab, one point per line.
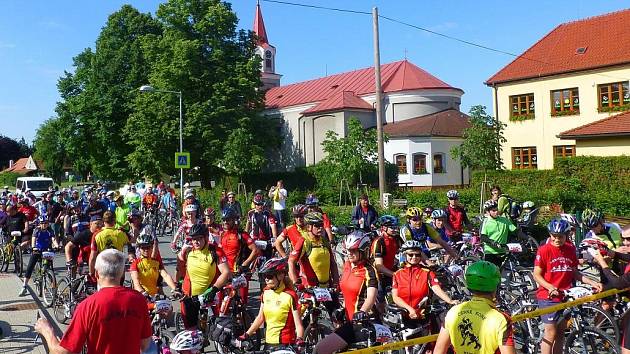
39	38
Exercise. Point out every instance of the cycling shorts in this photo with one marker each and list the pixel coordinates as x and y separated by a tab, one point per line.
549	318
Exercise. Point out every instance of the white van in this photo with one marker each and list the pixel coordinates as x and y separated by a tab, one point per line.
38	185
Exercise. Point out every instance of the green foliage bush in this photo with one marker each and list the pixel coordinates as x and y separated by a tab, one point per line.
8	179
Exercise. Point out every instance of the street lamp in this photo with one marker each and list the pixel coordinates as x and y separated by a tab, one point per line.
149	88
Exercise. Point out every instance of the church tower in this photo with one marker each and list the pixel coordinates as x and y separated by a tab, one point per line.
266	51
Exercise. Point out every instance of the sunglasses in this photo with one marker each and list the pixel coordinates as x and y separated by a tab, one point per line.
414	255
626	239
453	198
415	218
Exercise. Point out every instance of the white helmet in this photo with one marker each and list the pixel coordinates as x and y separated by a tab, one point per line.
528	205
191	208
357	240
570	219
188	340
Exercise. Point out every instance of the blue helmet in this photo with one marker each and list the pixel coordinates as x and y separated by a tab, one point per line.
311	200
388	220
559	226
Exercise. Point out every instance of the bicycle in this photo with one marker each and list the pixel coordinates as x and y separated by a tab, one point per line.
71	290
395	317
12	254
312	307
44	278
167	222
160	308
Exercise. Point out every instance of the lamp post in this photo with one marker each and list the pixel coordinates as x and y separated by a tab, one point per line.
149	88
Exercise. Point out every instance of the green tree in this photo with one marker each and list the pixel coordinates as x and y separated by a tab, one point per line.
9	150
203	55
482	145
50	147
350	157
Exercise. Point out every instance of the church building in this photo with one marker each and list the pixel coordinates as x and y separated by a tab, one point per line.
421	116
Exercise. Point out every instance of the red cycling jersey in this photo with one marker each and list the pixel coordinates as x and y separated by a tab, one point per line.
232	243
456	217
413	283
354	284
294	234
386	247
558	265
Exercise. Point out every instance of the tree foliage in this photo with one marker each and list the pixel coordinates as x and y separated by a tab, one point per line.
114	131
352	156
50	148
483	141
9	150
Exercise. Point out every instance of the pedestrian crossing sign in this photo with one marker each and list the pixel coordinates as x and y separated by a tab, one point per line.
182	160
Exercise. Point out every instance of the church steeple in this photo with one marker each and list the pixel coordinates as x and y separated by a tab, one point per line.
266	51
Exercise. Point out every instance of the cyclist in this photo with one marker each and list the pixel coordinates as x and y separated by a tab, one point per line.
476	326
313	205
426	214
364	216
232	203
383	251
121	212
74	220
359	284
149	200
259	194
108	237
314	255
43	239
438	221
610	233
261	226
16	221
497	229
147	270
78	248
190	198
209	218
190	219
207	271
109	201
239	249
555	269
416	229
94	207
187	342
293	232
132	198
278	309
167	201
456	216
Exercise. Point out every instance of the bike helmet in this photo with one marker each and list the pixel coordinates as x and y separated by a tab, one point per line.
411	245
559	226
438	214
188	340
311	200
146	237
515	211
229	214
428	210
134	213
490	204
482	276
258	200
198	229
413	212
388	220
570	219
189	196
591	218
357	240
274	266
210	212
528	205
452	194
299	210
190	208
314	218
595	243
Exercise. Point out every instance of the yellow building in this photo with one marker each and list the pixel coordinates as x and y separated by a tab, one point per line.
566	95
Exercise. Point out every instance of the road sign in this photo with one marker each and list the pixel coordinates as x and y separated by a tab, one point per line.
182	160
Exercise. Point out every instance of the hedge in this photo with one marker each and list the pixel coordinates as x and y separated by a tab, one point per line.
9	179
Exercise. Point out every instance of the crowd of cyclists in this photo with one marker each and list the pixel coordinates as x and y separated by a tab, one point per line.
389	266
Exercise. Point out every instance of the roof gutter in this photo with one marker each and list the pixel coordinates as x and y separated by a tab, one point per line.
593	136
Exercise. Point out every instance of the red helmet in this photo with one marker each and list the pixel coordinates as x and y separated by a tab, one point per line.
210	212
596	243
299	210
274	266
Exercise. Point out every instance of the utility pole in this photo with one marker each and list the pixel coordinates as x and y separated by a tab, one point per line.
379	108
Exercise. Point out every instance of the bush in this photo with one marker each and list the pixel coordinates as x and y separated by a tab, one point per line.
9	179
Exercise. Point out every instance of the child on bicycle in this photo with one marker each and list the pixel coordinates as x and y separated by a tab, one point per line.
42	240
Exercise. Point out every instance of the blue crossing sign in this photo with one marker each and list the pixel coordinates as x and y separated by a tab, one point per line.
182	160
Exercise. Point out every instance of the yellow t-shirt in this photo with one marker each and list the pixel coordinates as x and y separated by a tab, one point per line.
148	272
279	320
110	237
201	269
477	327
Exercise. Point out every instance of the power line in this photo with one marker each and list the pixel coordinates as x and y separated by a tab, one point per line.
319	7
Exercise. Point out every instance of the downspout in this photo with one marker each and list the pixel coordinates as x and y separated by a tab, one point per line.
496	104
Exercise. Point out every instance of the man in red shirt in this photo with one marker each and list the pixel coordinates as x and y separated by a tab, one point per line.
114	320
456	216
384	250
555	269
294	232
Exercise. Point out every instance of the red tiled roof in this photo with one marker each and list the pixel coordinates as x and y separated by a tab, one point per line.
617	125
340	100
397	76
259	26
448	123
19	166
605	37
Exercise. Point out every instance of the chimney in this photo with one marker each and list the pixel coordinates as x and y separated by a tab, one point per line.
10	163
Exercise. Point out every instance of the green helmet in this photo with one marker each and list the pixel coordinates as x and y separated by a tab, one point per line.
482	276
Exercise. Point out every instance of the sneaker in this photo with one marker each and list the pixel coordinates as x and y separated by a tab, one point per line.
23	292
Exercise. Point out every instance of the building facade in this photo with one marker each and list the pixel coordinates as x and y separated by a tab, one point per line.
575	76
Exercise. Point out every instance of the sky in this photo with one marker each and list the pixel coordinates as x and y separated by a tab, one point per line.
39	38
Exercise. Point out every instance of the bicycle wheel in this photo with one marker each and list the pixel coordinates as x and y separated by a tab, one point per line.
590	340
7	257
17	260
599	318
49	285
179	322
314	333
63	308
166	337
38	279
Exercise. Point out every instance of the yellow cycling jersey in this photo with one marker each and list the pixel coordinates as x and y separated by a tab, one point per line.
277	309
201	269
477	327
148	272
110	237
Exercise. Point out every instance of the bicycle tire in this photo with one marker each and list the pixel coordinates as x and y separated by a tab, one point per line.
166	337
589	336
62	301
38	279
49	286
179	322
607	324
2	258
18	261
7	256
312	334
